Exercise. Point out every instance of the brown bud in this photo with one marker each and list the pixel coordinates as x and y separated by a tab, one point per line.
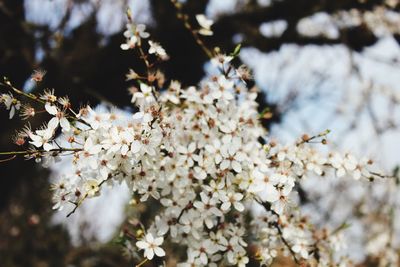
34	219
305	138
19	141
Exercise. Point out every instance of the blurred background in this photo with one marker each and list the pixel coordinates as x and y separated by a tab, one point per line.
319	65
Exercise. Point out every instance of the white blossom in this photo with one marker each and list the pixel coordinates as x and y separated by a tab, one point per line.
151	246
156	48
205	24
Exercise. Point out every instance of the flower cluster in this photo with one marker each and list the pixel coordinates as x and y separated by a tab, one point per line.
135	34
197	156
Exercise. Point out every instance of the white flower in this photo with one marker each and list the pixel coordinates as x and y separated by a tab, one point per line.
241	259
233	157
91	187
222	89
191	224
316	163
220	60
11	103
203	167
361	169
142	117
151	246
186	154
140	31
232	198
205	24
174	90
277	190
201	251
207	208
58	119
343	164
217	189
49	96
301	247
119	141
91	117
60	199
145	97
91	147
130	43
156	48
215	150
134	33
42	138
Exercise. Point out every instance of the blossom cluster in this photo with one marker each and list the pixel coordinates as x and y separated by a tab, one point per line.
200	159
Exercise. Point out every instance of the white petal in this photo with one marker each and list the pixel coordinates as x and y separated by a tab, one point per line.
203	21
238	206
47	147
218	158
272	194
149	253
65	124
159	252
182	149
12	112
205	32
236	166
53	123
192	147
203	258
227	139
142	244
136	146
95	149
225	206
36	143
147	118
224	164
51	109
210	149
278	206
125	46
149	238
240	156
124	149
138	116
216	211
158	241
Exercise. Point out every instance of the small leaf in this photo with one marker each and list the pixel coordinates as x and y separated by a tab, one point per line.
236	51
266	113
129	13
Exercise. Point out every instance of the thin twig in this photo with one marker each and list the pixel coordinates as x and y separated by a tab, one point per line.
77	205
144	57
267	207
184	18
9	159
8	84
142	262
30	152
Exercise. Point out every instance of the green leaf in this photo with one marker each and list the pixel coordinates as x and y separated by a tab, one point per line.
236	51
265	113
